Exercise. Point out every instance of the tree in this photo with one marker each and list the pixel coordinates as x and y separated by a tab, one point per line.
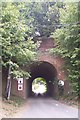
68	42
43	17
16	50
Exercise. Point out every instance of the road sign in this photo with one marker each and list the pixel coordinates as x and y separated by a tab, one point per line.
20	84
20	87
20	80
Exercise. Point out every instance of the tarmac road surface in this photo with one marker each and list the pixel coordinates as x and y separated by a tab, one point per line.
46	108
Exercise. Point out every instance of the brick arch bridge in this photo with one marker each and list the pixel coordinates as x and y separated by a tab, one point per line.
48	67
44	70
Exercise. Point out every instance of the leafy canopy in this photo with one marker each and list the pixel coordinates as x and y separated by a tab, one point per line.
16	50
68	42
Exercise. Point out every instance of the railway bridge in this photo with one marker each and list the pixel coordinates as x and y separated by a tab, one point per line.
47	66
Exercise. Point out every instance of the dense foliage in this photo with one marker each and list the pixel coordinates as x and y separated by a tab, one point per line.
20	23
43	16
68	42
16	50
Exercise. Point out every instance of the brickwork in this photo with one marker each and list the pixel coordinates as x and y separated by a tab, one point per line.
15	90
43	55
56	61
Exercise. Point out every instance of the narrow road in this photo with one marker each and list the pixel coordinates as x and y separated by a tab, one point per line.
46	108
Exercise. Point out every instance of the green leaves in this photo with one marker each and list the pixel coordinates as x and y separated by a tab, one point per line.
69	15
20	73
68	42
42	17
16	50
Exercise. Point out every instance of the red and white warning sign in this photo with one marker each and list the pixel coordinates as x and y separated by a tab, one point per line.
20	84
20	80
20	87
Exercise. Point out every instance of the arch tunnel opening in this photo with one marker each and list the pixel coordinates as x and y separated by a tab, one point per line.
45	70
39	87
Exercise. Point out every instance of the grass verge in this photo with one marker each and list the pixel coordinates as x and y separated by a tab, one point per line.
10	107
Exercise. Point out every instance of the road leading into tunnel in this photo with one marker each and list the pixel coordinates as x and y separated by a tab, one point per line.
46	108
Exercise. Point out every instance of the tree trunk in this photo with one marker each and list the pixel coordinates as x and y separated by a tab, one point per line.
8	89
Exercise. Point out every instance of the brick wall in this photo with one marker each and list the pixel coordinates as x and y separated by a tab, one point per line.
15	90
56	61
43	55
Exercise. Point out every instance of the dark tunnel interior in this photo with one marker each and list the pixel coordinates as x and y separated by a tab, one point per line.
45	70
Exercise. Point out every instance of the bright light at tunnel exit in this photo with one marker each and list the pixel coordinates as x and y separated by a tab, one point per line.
39	86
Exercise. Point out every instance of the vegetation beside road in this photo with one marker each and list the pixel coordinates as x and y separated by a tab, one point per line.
10	107
71	101
67	38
